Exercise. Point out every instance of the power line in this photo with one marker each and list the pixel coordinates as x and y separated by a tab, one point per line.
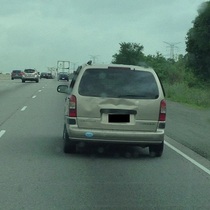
172	47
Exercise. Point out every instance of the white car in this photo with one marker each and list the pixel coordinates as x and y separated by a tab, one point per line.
30	75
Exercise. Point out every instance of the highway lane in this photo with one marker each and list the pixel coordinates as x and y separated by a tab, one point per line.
189	126
14	95
36	174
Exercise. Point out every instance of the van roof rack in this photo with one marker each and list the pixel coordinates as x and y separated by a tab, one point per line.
89	62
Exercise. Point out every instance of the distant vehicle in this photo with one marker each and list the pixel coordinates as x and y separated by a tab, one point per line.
114	104
16	74
30	75
49	76
46	75
63	76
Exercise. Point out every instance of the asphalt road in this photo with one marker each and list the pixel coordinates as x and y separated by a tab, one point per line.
36	174
190	127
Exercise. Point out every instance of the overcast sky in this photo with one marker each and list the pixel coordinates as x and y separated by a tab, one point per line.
38	33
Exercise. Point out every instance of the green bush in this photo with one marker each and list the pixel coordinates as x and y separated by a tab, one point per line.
181	92
180	82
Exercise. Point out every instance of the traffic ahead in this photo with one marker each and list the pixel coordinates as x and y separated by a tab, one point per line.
36	174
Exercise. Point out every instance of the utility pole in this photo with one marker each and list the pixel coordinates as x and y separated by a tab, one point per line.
172	47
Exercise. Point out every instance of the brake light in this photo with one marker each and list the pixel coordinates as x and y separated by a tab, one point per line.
162	115
72	106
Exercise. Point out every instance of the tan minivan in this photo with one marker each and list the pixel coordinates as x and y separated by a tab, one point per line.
120	104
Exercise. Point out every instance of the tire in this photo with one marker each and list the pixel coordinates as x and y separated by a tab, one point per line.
156	150
37	81
68	147
23	81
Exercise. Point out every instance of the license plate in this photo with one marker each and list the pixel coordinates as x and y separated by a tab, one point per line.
119	118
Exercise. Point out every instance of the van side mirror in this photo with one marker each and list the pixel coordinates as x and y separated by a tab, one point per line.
62	89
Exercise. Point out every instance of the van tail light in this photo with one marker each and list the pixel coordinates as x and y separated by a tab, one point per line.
162	114
72	106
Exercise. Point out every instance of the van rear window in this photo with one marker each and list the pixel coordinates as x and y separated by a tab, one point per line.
118	84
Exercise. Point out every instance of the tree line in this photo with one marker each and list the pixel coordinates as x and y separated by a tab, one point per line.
193	68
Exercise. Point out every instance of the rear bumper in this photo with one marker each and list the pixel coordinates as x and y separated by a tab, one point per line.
30	78
63	79
115	136
16	77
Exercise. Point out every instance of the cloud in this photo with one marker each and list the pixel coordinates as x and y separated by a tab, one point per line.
38	33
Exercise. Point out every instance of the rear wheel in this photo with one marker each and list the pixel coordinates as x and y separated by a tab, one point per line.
156	150
68	147
23	80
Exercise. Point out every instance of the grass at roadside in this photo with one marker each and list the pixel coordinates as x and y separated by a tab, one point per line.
180	92
4	76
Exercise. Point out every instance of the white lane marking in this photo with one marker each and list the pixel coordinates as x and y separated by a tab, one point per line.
39	90
2	132
34	96
24	108
189	158
43	87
